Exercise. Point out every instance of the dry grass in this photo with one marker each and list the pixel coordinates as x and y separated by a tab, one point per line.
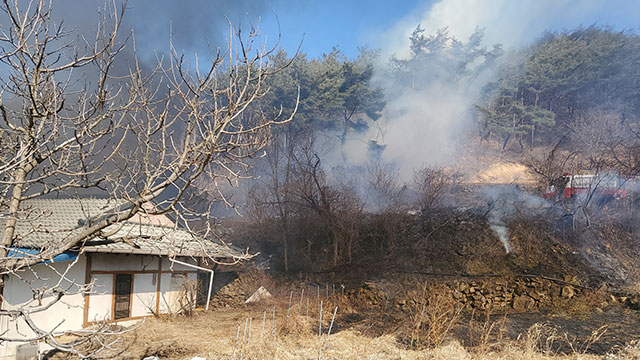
504	173
432	317
222	335
239	332
182	339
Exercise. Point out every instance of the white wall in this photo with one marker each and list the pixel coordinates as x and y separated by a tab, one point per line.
171	289
144	294
101	297
18	292
121	262
144	284
66	314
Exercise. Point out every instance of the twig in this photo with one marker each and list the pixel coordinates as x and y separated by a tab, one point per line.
273	322
244	336
286	322
235	347
264	319
320	330
329	332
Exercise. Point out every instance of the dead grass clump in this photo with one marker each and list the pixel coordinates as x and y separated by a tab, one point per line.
541	338
486	334
297	325
167	349
629	352
136	342
432	316
504	173
583	305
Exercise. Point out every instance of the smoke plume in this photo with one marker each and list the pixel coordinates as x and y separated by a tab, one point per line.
427	126
192	25
507	201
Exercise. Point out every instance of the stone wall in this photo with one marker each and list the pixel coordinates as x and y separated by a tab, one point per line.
520	294
483	293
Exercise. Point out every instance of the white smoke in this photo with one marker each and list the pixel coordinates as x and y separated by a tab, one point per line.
501	230
511	23
506	202
422	128
427	127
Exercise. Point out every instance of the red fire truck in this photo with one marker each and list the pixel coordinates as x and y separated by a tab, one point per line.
609	185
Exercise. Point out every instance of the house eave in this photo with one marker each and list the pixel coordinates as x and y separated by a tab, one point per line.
157	252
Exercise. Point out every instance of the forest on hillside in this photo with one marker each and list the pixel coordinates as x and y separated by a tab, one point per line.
567	103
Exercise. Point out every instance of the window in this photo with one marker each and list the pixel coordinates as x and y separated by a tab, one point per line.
122	296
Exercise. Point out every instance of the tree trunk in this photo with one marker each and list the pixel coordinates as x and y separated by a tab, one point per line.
349	250
335	248
343	138
533	129
14	204
286	251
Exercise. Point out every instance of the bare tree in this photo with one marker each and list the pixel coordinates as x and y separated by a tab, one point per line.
596	156
335	205
273	197
432	185
301	206
550	167
384	192
72	123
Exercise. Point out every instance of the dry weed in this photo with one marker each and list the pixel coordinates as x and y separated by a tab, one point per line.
433	316
486	335
215	335
265	331
629	352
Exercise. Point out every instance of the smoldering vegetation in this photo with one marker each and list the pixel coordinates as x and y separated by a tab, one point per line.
336	189
438	224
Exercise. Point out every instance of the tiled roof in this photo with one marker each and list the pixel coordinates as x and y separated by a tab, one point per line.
45	222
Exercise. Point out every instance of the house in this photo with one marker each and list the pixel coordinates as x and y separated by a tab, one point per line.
136	269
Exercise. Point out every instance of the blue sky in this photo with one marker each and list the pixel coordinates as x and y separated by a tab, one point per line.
349	24
382	23
346	24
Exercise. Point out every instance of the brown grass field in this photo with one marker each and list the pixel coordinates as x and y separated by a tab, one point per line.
234	330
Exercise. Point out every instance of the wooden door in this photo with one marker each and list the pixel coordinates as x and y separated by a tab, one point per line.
122	301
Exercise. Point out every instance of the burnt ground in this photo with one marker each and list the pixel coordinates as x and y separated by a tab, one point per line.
449	244
462	243
593	333
570	323
622	326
